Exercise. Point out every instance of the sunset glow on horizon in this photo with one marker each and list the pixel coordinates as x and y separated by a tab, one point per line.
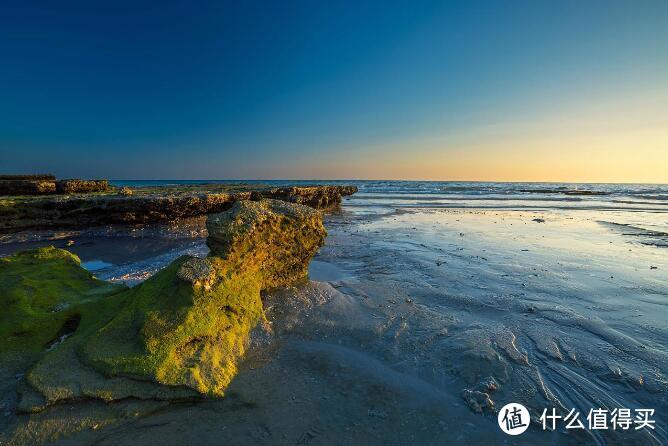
527	91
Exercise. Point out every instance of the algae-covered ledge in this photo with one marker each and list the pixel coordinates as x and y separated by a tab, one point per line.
180	334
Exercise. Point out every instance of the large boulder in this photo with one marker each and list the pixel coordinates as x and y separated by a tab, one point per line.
274	238
179	334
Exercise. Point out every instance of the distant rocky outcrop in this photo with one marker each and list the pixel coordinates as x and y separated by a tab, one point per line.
27	187
81	186
47	184
140	207
180	334
319	197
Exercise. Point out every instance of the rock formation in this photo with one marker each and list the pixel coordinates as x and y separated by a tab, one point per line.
27	187
139	208
319	197
180	334
81	186
254	232
47	184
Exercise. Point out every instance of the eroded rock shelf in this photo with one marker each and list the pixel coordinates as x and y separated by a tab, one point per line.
149	205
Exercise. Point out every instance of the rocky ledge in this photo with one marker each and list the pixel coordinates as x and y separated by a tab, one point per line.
48	184
180	334
144	205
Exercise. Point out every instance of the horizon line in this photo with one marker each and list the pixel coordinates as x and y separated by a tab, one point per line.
386	179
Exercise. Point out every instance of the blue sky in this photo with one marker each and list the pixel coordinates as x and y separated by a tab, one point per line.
438	90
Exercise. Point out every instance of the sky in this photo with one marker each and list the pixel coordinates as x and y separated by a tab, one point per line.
437	90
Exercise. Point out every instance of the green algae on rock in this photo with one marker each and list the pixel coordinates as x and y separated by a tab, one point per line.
189	324
177	335
46	296
51	306
180	333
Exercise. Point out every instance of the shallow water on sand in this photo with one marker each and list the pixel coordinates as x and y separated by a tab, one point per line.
421	321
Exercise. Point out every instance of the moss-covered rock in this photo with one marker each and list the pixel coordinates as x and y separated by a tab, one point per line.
189	324
45	297
275	238
178	334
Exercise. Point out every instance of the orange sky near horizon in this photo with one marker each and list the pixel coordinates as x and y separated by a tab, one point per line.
612	139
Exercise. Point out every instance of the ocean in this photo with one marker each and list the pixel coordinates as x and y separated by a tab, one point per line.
597	196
